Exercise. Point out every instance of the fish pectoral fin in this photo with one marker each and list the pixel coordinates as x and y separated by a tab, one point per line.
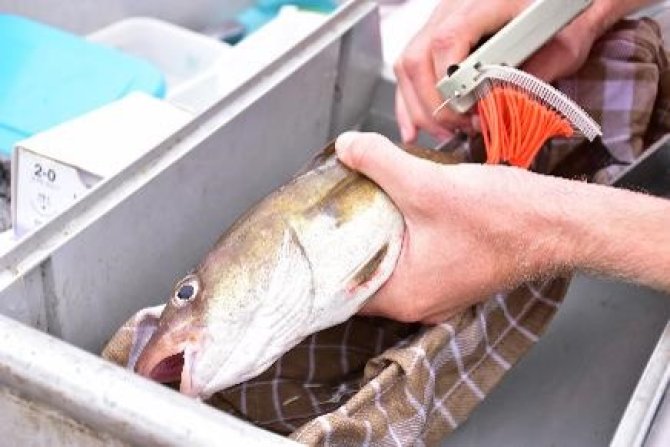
446	158
368	269
127	343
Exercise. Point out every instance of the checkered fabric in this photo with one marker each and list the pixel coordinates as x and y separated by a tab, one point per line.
624	86
372	381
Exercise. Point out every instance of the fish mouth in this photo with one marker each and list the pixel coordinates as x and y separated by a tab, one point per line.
161	366
168	370
173	366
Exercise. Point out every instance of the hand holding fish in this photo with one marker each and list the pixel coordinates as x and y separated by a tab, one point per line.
452	31
472	230
305	258
436	238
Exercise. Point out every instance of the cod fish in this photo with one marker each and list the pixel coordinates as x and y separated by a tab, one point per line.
307	257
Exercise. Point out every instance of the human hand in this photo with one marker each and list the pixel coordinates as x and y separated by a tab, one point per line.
454	28
471	230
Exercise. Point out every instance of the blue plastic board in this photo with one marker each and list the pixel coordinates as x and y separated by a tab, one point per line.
48	76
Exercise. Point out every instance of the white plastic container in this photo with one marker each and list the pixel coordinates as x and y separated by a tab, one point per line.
248	57
201	70
53	169
183	56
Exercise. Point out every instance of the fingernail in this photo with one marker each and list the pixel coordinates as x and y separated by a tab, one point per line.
408	134
404	133
345	140
476	123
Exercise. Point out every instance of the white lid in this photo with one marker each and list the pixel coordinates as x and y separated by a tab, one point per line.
105	140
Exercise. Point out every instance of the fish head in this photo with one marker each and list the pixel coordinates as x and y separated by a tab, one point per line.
178	335
234	316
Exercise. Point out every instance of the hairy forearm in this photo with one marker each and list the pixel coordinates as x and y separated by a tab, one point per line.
614	232
604	230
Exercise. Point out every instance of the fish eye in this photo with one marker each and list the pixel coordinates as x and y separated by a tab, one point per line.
187	290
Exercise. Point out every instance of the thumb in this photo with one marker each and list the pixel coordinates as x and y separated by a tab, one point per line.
377	158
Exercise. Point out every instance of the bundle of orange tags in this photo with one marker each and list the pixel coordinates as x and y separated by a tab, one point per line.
515	126
520	113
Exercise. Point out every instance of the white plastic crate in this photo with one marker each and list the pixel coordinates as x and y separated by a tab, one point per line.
182	55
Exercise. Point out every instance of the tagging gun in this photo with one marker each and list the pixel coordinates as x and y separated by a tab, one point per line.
518	111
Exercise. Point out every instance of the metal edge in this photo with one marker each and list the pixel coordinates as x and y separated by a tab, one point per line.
641	409
121	404
38	245
371	63
125	400
650	152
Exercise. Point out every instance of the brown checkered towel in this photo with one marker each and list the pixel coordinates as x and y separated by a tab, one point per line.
371	381
625	86
377	382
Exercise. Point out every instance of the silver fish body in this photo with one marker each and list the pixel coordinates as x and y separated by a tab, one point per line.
305	258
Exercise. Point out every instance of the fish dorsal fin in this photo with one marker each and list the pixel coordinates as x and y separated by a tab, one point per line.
445	158
318	159
418	151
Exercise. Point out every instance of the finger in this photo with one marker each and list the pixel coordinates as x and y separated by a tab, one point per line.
378	306
476	123
417	81
453	120
452	41
419	113
407	129
454	37
387	305
372	308
394	170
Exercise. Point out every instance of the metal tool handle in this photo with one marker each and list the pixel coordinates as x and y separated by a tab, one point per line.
512	45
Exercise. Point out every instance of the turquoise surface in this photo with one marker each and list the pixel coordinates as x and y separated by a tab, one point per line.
48	76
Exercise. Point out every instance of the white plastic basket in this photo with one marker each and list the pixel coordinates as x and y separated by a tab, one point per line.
183	56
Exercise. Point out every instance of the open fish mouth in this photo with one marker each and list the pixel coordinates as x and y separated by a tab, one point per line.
169	369
162	359
166	361
173	368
